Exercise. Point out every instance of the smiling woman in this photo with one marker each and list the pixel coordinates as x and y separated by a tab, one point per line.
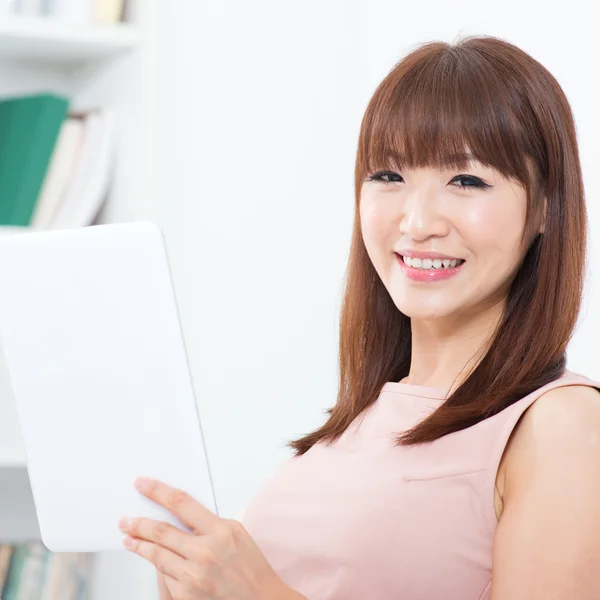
460	461
459	439
468	150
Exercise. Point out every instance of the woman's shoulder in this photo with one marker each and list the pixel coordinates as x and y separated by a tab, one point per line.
552	488
563	407
551	398
561	428
561	415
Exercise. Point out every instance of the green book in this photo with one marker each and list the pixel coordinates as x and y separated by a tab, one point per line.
29	128
13	579
26	570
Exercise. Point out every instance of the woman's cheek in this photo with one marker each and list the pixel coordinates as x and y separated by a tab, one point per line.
374	225
492	232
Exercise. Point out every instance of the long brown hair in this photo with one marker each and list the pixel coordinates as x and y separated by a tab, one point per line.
490	96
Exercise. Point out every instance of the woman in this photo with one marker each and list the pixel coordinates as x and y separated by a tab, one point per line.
462	459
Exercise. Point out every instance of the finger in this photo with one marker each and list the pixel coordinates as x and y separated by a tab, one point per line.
169	587
159	532
165	561
193	514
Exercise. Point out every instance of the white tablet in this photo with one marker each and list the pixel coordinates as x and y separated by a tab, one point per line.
92	341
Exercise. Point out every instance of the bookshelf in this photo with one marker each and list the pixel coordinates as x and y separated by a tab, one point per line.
95	65
46	40
12	458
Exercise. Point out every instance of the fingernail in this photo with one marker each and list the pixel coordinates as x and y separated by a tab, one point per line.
125	522
142	483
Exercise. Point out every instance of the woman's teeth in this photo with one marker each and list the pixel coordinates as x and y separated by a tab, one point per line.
428	263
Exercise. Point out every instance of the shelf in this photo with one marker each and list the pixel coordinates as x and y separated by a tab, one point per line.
12	229
11	459
50	41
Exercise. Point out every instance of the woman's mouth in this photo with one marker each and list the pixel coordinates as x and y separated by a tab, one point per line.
424	270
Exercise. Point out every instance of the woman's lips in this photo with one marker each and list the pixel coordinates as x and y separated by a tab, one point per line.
427	275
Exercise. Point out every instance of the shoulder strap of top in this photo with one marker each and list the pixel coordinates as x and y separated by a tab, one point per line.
506	422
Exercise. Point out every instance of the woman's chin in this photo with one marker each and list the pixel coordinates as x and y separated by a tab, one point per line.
423	311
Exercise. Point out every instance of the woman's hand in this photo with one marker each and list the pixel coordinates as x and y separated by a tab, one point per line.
163	590
218	561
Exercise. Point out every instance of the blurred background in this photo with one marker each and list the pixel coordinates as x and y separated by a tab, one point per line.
233	125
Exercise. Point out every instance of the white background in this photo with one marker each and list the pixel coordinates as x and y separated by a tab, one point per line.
258	115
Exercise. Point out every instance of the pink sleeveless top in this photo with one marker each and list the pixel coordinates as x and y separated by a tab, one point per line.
362	519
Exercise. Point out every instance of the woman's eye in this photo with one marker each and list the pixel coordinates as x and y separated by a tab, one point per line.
472	182
468	181
379	176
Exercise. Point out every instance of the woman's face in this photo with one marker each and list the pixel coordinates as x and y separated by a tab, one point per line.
425	210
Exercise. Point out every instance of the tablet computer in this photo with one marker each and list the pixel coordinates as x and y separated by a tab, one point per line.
92	343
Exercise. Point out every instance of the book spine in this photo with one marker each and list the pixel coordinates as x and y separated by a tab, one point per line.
29	128
45	571
51	113
29	7
54	576
83	574
24	580
59	173
30	584
6	552
108	11
6	123
69	584
71	11
14	573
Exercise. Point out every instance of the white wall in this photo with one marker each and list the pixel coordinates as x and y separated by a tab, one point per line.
259	109
259	112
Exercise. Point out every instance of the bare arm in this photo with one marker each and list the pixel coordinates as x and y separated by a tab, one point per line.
163	592
547	545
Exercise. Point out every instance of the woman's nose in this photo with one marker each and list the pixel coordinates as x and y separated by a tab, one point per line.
421	216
